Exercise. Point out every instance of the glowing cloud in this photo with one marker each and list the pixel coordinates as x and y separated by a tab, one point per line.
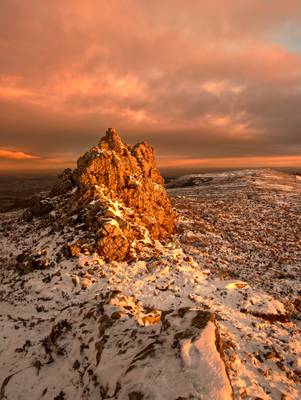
16	155
217	79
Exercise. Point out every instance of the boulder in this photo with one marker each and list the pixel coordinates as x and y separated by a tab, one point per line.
40	206
172	354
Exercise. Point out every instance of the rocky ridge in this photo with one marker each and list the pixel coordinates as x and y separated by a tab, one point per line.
116	194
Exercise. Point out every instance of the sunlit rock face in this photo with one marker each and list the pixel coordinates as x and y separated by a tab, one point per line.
119	196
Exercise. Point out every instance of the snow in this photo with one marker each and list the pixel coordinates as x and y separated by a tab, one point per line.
237	255
202	358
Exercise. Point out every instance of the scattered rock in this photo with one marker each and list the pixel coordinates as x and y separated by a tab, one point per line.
26	262
76	280
151	318
74	250
86	283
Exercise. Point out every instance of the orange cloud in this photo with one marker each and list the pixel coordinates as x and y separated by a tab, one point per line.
16	155
209	80
233	162
220	86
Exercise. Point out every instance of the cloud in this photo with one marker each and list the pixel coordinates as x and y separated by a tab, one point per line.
16	155
212	79
232	162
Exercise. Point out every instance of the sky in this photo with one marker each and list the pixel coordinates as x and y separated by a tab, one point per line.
209	84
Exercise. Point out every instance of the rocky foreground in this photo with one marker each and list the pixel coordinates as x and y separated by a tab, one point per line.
209	312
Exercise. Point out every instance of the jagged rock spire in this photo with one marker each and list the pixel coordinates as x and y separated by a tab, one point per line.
120	197
111	140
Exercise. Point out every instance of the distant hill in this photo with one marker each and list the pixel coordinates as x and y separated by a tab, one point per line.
16	191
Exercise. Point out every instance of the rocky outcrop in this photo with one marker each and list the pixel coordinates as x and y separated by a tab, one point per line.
64	183
173	354
119	196
28	262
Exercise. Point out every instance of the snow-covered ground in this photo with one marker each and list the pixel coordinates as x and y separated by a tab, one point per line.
81	328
